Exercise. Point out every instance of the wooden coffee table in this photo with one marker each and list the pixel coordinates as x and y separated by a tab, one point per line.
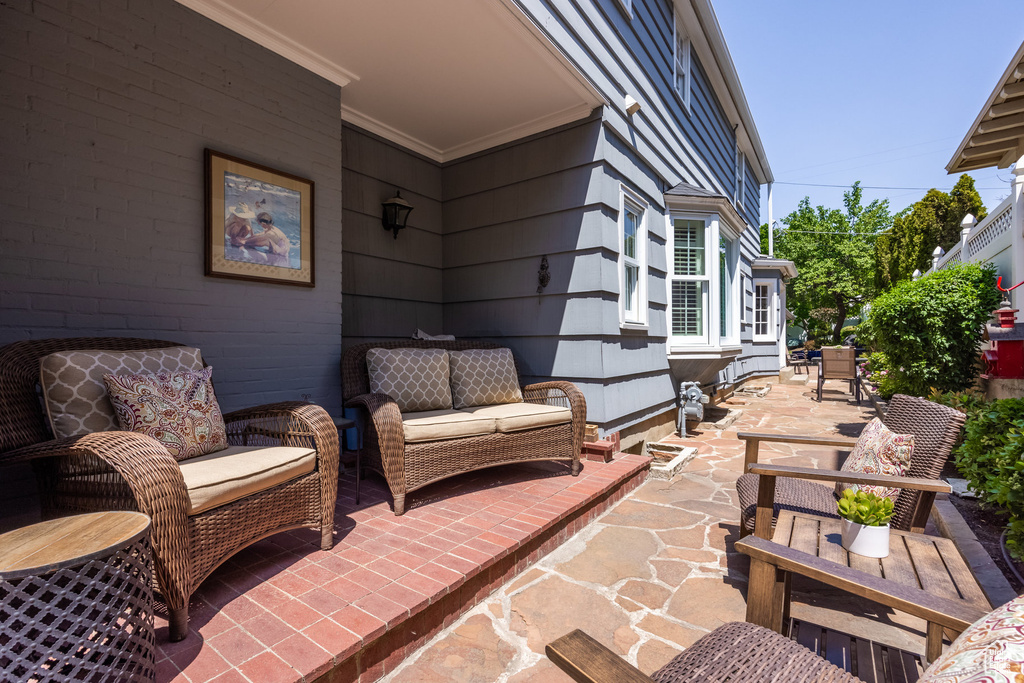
916	563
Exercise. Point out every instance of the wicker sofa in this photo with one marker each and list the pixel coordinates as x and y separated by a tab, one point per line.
198	522
409	457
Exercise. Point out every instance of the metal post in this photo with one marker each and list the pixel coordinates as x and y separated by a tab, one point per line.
1017	243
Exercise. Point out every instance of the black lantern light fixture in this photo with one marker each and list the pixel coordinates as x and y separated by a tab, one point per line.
396	213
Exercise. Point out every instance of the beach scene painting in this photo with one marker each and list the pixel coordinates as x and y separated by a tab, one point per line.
259	222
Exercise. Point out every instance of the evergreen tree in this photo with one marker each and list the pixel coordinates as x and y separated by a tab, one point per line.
917	230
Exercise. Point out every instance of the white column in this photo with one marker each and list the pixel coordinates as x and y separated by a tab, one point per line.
1017	244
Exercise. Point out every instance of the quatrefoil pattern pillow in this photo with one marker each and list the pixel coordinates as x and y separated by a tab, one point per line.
417	379
484	377
177	409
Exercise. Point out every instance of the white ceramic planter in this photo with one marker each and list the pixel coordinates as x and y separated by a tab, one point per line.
869	541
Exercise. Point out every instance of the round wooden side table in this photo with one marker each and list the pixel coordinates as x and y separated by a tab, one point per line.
76	600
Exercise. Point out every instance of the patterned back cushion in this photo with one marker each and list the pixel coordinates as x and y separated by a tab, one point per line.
991	649
177	409
74	392
417	379
879	451
484	377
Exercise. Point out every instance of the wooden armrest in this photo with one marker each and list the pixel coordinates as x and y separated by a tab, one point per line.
918	484
798	438
947	613
587	661
754	440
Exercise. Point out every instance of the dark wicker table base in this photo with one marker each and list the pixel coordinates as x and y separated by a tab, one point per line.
86	622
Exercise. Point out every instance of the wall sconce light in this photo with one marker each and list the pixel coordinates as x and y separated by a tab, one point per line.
396	213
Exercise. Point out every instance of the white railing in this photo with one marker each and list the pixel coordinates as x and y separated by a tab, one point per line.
984	241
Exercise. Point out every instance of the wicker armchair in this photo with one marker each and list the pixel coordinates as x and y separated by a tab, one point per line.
117	470
410	466
936	429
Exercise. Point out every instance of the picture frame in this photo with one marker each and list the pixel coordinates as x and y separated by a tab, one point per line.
259	222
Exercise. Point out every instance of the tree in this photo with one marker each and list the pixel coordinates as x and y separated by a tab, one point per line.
917	230
834	252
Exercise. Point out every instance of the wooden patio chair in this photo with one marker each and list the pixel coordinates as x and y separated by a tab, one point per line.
936	429
740	651
117	470
839	363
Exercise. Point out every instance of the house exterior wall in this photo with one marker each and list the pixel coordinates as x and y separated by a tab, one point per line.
390	286
107	108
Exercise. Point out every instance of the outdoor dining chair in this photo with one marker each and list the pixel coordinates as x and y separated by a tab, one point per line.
839	363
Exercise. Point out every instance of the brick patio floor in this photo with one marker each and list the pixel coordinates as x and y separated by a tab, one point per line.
283	610
658	570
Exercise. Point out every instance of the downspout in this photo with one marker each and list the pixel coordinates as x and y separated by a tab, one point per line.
771	224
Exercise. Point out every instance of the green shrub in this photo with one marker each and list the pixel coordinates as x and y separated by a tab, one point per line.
930	329
848	330
887	379
991	458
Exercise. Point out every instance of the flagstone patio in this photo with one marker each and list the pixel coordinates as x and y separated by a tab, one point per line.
658	570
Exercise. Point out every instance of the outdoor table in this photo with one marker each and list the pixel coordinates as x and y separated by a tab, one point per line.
76	599
919	561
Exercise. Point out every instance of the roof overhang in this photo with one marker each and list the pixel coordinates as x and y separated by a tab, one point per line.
686	197
996	138
707	39
787	268
444	79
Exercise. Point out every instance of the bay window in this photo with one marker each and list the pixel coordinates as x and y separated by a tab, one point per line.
703	282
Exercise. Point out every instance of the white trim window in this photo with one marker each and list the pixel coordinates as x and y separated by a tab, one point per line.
681	63
741	177
765	305
703	283
632	260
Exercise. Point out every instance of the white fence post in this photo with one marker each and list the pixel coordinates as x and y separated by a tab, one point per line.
1017	243
937	256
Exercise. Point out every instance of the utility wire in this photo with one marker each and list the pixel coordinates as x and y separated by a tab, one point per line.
878	187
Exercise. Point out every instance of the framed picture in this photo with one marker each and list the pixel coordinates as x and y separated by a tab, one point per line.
259	222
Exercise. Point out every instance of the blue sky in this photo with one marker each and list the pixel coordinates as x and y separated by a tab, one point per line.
881	92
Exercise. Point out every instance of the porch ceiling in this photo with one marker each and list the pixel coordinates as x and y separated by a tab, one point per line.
444	79
997	136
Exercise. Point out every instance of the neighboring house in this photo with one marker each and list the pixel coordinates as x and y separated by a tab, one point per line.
996	138
609	139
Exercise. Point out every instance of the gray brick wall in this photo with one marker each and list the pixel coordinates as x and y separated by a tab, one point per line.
106	109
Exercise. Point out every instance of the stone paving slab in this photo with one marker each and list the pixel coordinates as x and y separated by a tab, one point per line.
658	570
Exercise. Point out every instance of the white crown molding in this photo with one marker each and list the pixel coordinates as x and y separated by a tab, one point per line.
246	26
538	125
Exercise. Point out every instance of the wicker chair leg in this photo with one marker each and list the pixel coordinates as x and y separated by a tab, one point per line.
399	504
178	623
576	467
326	536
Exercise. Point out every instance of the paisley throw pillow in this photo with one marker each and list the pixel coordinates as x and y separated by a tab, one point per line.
990	650
177	409
879	451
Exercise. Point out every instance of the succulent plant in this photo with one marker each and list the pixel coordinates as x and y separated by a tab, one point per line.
865	508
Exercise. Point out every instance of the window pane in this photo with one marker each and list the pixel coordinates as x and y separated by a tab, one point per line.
761	299
687	309
689	247
723	288
629	223
630	300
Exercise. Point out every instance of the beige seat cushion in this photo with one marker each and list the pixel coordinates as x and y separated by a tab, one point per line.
515	417
433	425
73	389
238	471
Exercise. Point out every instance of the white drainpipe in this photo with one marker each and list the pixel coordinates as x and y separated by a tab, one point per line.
771	224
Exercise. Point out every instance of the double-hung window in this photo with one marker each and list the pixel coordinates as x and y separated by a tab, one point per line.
764	310
632	261
704	295
681	63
